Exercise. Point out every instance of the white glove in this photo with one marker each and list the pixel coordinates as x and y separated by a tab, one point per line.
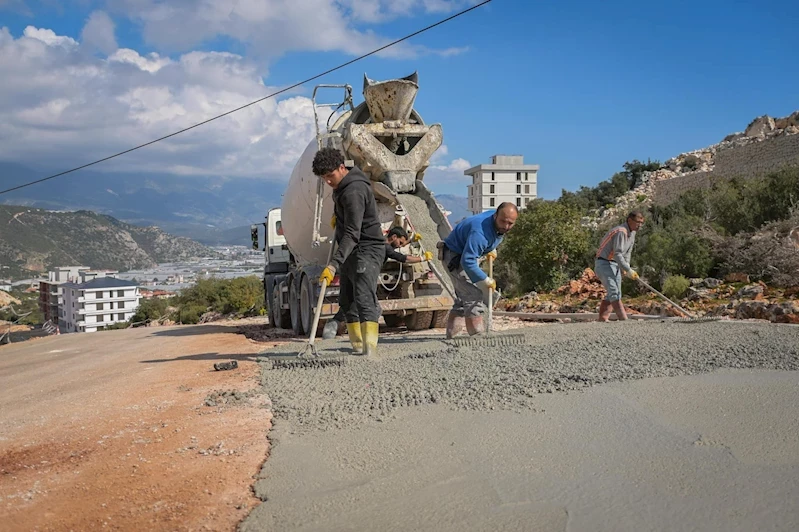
487	283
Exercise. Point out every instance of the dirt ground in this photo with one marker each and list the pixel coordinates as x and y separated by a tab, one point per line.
131	429
134	429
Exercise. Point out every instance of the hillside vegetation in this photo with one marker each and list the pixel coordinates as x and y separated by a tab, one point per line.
34	240
739	226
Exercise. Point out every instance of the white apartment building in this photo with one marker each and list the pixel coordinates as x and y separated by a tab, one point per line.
507	178
51	292
95	304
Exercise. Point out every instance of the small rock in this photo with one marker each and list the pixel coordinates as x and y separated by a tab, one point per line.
751	290
711	282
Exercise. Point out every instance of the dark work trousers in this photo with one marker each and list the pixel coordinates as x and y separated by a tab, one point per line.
358	290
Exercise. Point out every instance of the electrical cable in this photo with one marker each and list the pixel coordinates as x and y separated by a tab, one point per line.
458	14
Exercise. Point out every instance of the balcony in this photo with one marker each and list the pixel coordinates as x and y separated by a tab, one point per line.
83	299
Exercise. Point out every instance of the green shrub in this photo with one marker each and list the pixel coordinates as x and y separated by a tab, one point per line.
676	286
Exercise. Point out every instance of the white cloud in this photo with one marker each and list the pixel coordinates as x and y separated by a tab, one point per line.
68	108
386	10
98	33
270	28
49	37
456	166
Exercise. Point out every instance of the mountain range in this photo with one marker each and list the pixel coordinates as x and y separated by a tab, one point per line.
34	240
210	210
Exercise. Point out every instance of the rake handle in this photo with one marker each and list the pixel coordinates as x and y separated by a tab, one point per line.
320	301
666	298
490	293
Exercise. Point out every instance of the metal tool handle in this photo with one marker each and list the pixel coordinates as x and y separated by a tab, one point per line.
664	297
320	301
490	293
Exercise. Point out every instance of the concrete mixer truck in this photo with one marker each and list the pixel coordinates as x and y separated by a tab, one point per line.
388	140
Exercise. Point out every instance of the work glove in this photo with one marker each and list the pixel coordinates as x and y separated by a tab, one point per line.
492	254
428	256
333	222
417	237
485	286
327	274
487	283
634	275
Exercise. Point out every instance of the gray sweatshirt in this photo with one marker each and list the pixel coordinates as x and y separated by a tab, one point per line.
617	246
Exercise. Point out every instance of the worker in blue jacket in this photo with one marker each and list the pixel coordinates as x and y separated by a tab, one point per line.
475	237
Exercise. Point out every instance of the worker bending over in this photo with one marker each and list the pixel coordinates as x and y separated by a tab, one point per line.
475	237
361	247
613	258
397	238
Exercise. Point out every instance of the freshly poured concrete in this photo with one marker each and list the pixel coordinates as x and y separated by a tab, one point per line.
718	450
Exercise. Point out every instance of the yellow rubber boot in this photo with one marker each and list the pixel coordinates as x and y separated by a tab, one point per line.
356	338
369	330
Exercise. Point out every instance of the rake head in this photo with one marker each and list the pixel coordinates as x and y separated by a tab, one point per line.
317	362
489	340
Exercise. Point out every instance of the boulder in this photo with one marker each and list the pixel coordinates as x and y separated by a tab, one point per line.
751	290
760	126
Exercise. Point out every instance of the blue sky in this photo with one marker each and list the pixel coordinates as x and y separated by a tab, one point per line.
577	87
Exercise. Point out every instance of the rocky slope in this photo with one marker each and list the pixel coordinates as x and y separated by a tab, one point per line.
34	240
702	160
732	297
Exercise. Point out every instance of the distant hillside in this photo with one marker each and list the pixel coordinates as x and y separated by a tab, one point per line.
34	240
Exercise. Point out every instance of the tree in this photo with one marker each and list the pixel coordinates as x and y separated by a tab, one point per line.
546	246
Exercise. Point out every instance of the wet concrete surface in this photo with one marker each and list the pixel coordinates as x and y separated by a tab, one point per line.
619	426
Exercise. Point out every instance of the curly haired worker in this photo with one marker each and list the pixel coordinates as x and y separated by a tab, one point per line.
361	247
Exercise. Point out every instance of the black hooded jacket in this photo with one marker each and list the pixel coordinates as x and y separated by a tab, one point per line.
357	224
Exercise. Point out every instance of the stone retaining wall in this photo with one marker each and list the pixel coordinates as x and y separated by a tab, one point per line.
750	161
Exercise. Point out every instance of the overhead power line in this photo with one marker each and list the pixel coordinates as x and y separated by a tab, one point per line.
440	22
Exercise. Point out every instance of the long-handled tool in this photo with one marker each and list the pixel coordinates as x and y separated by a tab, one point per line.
489	339
302	360
690	317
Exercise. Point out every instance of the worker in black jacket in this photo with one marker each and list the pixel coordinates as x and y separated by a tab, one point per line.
361	247
397	238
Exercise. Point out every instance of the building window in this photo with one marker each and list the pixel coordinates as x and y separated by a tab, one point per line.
99	317
492	189
518	176
121	317
518	202
526	176
492	176
99	306
99	295
518	189
491	202
120	293
526	189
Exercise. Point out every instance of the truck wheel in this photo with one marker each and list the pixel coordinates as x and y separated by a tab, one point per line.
281	321
440	319
392	320
294	307
307	304
419	320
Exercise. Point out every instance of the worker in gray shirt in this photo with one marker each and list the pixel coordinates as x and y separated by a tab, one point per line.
613	258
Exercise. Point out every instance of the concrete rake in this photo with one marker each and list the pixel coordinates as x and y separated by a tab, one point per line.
489	339
690	317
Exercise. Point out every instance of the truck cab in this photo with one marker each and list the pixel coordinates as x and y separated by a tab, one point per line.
276	250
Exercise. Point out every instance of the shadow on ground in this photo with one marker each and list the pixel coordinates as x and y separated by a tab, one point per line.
211	357
195	330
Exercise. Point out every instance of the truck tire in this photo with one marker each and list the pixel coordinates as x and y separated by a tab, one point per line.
307	304
392	320
282	317
419	320
440	319
294	308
